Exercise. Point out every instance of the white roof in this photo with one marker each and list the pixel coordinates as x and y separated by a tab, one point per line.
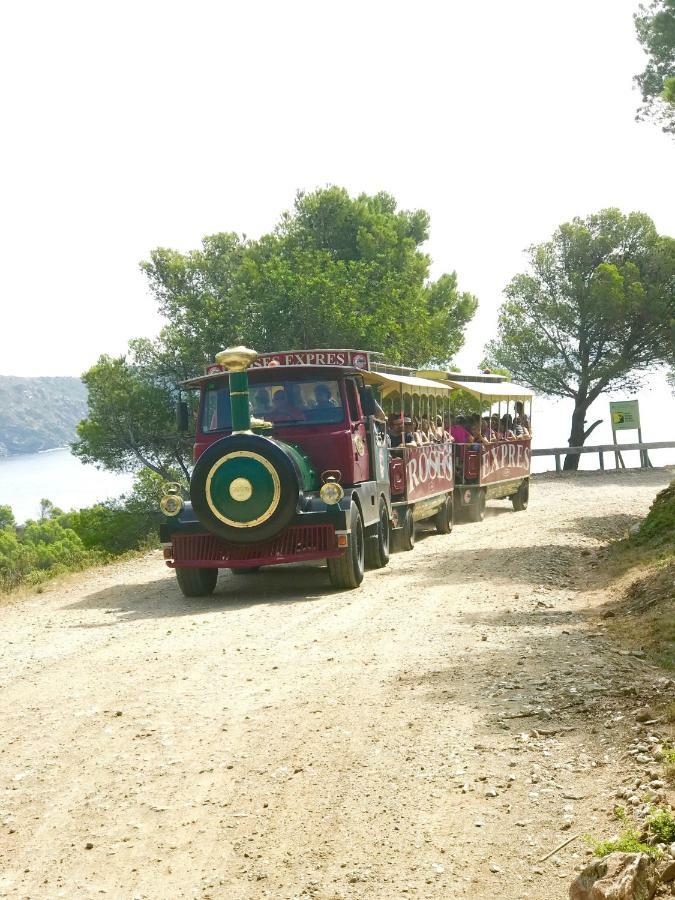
415	385
500	390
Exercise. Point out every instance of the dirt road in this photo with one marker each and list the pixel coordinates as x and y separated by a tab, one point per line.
431	735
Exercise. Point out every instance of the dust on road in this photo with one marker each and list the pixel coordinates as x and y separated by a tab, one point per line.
433	734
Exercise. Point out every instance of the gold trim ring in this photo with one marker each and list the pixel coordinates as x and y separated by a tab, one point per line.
271	509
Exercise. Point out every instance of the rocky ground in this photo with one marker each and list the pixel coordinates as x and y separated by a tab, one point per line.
435	734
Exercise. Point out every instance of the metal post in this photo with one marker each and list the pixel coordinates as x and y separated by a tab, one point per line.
557	463
602	459
617	455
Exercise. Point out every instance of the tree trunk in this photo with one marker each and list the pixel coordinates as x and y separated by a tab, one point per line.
577	436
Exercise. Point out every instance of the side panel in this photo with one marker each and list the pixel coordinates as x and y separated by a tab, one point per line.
505	460
428	470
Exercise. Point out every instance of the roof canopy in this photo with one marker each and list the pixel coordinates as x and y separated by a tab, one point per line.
410	384
502	390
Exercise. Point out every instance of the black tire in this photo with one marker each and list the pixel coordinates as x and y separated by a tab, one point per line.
196	582
522	498
475	511
404	537
274	454
346	571
445	517
377	548
251	570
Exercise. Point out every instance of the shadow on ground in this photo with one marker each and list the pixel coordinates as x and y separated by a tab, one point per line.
162	598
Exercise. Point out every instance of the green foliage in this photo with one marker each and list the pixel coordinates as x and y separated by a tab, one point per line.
336	271
39	413
655	26
628	841
7	519
595	311
662	825
131	419
60	542
658	528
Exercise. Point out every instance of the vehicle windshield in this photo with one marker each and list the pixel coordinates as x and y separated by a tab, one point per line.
281	402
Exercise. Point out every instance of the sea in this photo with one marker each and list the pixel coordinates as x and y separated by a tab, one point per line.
60	477
56	475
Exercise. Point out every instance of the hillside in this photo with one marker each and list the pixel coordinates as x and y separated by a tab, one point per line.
39	413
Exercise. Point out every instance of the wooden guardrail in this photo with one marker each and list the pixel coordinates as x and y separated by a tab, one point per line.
601	449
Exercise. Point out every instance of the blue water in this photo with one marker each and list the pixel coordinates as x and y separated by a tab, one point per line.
60	477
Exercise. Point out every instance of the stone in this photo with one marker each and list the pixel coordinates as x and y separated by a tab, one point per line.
667	872
618	876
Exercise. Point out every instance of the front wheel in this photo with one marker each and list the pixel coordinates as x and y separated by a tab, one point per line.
346	571
445	516
476	509
521	499
377	547
196	582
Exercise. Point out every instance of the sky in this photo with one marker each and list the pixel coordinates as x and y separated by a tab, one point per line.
128	126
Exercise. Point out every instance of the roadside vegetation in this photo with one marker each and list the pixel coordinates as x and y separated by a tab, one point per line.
646	559
59	542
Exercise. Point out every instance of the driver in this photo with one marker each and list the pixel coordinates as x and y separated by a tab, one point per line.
323	397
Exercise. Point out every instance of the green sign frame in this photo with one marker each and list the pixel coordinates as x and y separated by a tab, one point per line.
624	415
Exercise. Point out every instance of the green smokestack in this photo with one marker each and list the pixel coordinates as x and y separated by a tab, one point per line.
237	360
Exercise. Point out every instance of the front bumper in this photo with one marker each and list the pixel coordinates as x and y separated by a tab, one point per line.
312	534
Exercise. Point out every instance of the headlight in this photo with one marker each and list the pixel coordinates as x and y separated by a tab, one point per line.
171	504
331	492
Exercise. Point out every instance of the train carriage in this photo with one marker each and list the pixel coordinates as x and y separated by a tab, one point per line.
497	466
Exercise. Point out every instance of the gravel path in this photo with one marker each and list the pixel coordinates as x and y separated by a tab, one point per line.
433	734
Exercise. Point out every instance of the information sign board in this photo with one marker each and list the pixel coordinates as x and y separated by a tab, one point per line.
625	415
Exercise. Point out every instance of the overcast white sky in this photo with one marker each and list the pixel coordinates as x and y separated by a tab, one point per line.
132	125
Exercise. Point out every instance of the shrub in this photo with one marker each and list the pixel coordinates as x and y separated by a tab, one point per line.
59	542
659	526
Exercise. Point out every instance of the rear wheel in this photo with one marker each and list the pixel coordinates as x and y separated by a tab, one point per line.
445	516
476	509
346	571
377	548
404	537
196	582
521	499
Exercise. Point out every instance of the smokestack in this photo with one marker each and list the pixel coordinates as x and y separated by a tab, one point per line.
237	360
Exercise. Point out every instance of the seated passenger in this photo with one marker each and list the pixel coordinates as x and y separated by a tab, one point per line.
506	428
460	434
487	435
395	429
426	431
442	434
282	410
521	421
419	437
322	395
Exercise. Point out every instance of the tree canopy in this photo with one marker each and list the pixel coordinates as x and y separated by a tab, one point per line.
595	311
655	26
336	271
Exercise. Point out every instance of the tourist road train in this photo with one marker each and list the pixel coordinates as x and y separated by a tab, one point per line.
335	455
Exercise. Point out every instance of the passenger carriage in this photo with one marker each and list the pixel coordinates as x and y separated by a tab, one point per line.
497	467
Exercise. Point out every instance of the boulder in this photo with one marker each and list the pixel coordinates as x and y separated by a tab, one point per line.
618	876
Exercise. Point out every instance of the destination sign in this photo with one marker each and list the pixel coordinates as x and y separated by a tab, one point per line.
359	359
